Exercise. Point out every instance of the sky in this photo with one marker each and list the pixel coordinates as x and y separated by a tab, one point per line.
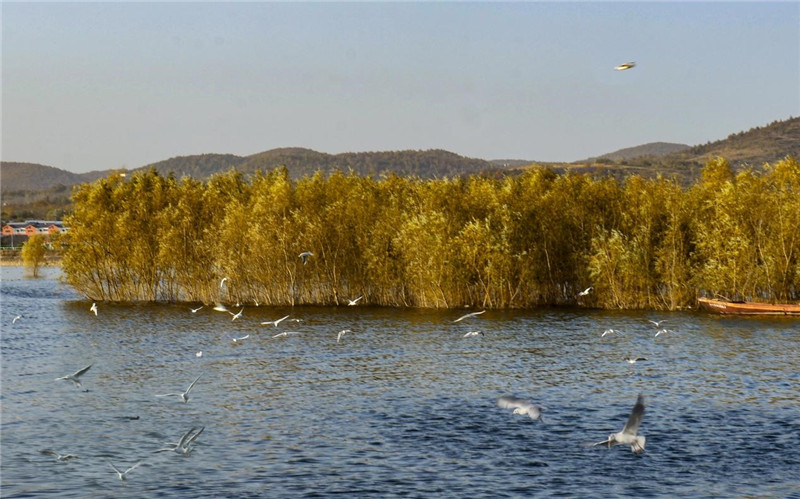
95	86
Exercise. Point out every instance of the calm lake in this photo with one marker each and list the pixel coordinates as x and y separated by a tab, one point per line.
403	405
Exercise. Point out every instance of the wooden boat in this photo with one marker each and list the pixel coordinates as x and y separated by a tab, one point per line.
747	308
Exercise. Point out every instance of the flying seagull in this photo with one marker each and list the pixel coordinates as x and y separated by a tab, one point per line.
657	323
15	319
633	360
195	310
661	331
74	377
473	333
219	307
586	291
185	395
469	315
123	474
184	445
341	333
304	255
275	322
222	283
521	406
607	331
59	457
628	434
353	302
237	340
625	66
93	308
236	315
285	333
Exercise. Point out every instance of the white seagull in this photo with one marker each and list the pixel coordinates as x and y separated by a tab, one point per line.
222	283
628	434
285	333
198	354
15	319
185	395
74	377
657	323
275	322
59	457
353	302
521	406
184	445
195	310
623	67
123	474
219	307
661	331
237	340
633	360
93	308
586	291
341	333
473	314
473	333
607	331
236	315
304	255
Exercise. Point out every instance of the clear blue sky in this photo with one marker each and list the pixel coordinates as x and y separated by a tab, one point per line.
89	86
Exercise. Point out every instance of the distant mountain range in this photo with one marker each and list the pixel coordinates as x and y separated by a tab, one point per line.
756	146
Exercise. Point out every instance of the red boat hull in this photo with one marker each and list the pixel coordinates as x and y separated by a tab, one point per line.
748	308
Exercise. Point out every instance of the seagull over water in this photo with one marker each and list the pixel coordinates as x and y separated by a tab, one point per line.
75	376
219	307
661	331
607	331
236	315
305	255
59	457
285	334
586	291
195	310
237	340
93	308
353	302
473	314
184	445
15	319
633	360
473	333
657	323
275	322
123	474
342	333
185	395
521	406
628	434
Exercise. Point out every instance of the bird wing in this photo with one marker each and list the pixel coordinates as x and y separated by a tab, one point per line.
50	452
193	382
116	469
508	402
469	315
133	467
635	419
604	442
185	436
82	371
193	437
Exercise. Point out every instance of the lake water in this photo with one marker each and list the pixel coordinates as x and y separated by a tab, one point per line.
403	405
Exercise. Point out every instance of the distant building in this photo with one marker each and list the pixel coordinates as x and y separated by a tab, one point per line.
16	233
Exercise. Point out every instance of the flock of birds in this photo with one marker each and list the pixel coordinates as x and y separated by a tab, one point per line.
184	446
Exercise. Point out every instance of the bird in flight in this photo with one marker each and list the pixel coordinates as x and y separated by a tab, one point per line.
276	321
473	314
184	445
657	323
15	319
586	291
237	340
236	315
521	406
607	331
628	434
625	66
93	308
353	302
285	334
341	333
634	360
123	474
75	377
305	255
195	310
185	395
59	457
473	333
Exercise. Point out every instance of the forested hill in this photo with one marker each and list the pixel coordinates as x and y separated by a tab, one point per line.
301	162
